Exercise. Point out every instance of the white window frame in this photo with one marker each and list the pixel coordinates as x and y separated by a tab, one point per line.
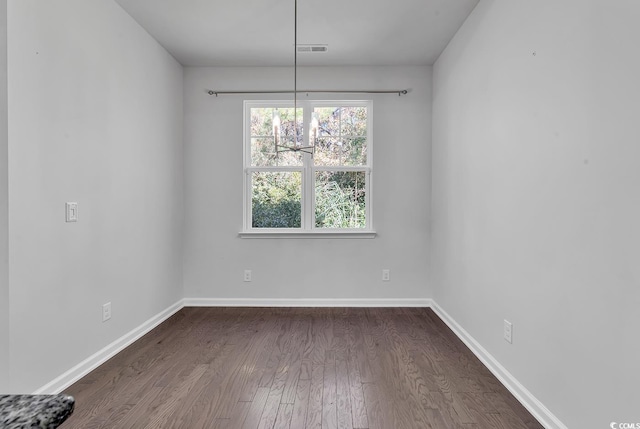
308	170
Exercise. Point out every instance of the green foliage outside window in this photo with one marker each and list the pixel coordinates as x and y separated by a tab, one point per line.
340	199
276	200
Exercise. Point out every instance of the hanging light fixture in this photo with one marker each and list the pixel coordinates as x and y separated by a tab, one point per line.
277	127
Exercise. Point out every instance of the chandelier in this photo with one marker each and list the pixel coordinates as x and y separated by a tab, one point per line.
280	145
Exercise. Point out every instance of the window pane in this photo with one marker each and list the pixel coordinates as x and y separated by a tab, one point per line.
328	151
287	126
263	145
340	199
354	121
288	158
275	199
328	121
341	136
261	121
263	154
354	151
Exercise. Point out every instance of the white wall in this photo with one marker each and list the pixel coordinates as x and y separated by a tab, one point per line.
215	257
4	223
535	197
95	114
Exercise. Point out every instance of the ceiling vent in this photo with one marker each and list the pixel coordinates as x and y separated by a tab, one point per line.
313	48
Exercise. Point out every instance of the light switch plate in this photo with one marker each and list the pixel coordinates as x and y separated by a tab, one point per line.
72	212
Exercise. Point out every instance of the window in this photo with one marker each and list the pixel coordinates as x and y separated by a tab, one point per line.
294	192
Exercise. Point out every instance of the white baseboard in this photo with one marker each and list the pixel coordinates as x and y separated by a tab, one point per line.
530	402
320	302
97	359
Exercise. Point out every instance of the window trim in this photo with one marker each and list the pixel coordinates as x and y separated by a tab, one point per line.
290	233
308	170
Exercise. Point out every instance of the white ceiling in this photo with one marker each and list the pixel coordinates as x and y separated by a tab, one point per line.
260	32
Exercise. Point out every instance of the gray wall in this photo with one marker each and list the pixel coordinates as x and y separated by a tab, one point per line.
96	117
215	257
535	197
4	222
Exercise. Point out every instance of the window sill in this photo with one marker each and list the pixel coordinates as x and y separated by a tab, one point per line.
307	234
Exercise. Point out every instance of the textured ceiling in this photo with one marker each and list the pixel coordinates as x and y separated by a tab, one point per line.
260	32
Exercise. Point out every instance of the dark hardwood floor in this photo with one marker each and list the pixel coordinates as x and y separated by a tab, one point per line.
296	368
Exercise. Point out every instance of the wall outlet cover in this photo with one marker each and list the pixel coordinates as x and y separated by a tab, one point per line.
106	311
508	331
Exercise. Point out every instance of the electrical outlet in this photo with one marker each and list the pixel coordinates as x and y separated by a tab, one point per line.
508	331
106	311
247	275
386	275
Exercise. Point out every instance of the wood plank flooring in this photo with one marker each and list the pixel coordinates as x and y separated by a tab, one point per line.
355	368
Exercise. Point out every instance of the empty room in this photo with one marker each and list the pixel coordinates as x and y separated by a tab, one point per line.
300	214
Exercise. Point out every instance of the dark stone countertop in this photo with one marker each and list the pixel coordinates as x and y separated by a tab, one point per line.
34	411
